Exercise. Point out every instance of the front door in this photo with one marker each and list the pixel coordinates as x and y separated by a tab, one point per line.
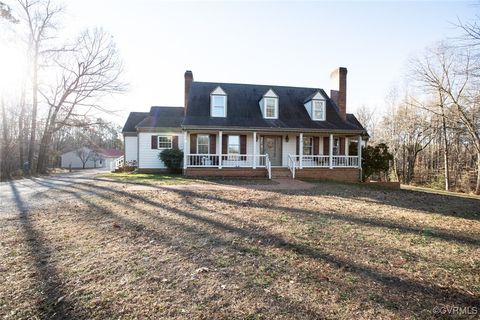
272	145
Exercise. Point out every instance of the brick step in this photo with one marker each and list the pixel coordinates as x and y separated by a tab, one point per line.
280	173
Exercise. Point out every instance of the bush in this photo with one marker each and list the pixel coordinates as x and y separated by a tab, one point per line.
375	160
173	159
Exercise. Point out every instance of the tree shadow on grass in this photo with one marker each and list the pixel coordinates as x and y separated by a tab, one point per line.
52	303
405	287
170	240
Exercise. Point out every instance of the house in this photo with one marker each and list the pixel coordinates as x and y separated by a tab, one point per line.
87	158
229	129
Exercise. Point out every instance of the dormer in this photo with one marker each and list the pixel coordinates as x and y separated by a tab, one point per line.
218	103
269	105
316	107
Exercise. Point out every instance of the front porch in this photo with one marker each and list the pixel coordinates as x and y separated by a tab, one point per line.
241	153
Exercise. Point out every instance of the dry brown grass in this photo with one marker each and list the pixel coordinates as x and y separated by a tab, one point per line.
335	251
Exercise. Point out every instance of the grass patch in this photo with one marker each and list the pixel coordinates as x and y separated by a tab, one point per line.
150	178
336	251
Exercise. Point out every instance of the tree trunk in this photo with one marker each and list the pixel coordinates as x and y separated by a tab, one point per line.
21	134
3	159
477	187
31	148
445	154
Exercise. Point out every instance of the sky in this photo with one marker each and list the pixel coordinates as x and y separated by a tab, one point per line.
277	43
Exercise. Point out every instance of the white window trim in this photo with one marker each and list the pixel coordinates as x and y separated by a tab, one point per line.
208	143
311	145
212	96
239	143
164	136
265	107
324	104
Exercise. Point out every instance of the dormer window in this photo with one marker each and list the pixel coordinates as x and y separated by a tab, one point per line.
269	105
218	103
270	108
318	110
316	106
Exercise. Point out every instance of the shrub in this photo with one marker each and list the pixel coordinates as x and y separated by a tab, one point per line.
375	160
173	159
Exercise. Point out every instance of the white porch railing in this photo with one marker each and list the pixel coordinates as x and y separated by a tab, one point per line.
291	163
345	161
226	160
321	161
118	163
268	165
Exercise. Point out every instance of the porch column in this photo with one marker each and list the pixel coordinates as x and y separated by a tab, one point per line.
359	151
185	150
254	162
347	144
300	149
330	152
219	149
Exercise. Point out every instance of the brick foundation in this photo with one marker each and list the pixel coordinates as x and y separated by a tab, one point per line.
335	174
225	172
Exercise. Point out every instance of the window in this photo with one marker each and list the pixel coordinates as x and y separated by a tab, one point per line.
233	144
308	146
271	107
203	144
336	146
318	110
164	142
219	105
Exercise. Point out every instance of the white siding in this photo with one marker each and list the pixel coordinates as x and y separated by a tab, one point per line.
148	157
289	147
131	149
71	159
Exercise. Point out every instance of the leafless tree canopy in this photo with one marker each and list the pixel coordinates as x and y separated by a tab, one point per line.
66	82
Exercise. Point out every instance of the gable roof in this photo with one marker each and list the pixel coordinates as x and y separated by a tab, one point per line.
243	108
133	119
109	153
170	117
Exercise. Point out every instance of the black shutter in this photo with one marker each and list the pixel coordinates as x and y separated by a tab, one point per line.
225	144
243	144
316	145
213	143
193	143
297	147
154	142
326	144
175	142
342	146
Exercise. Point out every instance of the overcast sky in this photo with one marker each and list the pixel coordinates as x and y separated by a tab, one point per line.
286	43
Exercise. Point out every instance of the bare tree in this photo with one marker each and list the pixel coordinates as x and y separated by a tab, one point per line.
40	17
450	72
96	157
87	71
84	155
366	116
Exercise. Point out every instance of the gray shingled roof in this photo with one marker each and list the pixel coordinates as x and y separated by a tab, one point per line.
243	108
133	119
170	117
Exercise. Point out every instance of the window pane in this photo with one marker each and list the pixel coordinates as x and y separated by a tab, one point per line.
164	142
234	144
203	143
318	110
307	146
218	106
202	139
270	108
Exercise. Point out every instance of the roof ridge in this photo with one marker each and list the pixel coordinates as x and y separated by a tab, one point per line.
257	84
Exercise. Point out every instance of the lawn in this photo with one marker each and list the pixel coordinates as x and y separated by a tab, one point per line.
335	251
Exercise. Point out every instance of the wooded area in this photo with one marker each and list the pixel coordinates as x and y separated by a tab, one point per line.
53	109
432	123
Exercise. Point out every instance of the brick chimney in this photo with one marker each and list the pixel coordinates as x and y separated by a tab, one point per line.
188	82
338	92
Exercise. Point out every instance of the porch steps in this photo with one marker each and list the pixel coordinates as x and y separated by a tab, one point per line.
281	173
